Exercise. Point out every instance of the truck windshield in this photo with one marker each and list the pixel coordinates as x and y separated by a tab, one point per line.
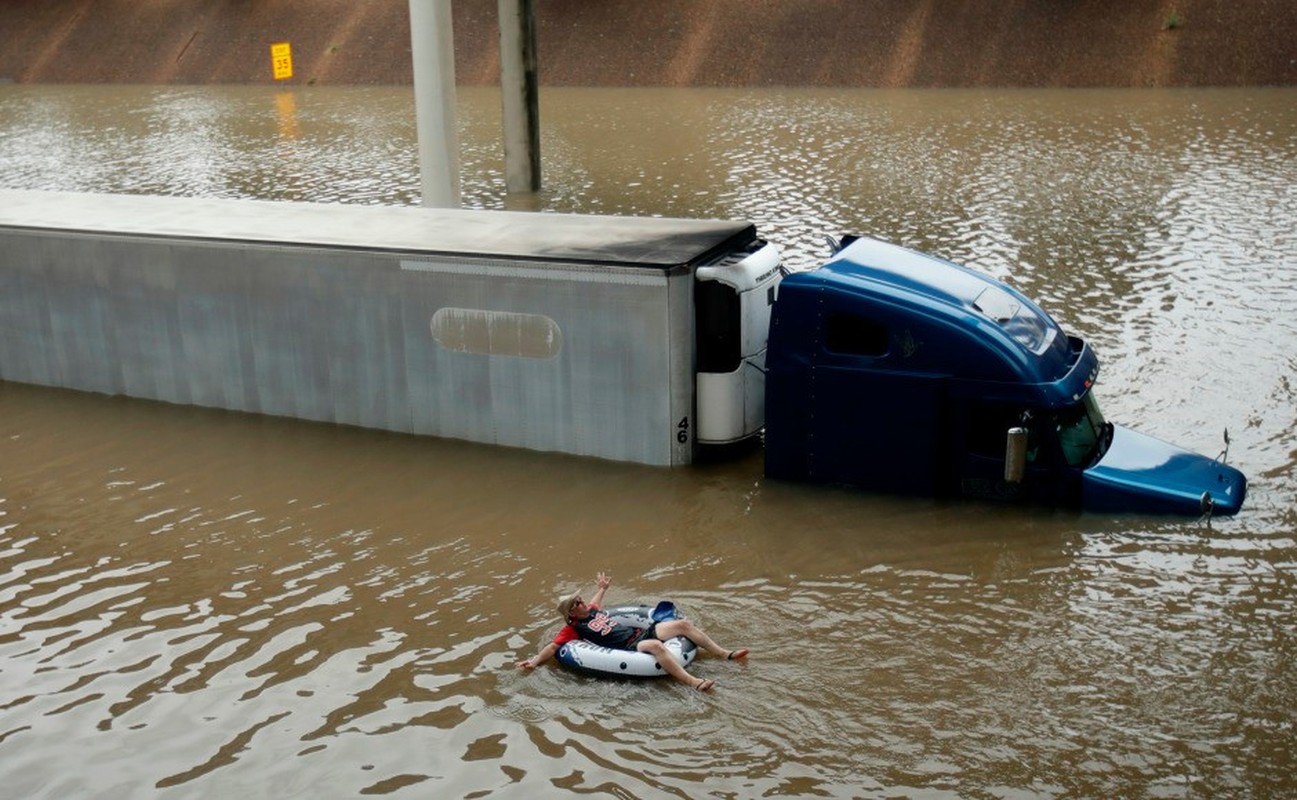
1082	432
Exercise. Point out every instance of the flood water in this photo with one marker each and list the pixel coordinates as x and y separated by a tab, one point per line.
205	604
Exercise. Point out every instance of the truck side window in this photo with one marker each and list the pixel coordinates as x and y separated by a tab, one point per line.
856	336
1080	432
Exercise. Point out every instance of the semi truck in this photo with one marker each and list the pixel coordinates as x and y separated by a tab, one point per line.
899	371
643	340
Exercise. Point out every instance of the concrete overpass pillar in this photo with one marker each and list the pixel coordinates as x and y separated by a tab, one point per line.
432	49
519	95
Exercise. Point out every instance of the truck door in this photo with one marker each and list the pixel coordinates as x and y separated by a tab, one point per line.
981	464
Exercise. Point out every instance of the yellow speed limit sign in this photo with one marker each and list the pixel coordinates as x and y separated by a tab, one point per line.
281	60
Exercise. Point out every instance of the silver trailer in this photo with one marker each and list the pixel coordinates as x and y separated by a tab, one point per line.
632	339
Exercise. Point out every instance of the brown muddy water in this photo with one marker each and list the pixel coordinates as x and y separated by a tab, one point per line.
204	604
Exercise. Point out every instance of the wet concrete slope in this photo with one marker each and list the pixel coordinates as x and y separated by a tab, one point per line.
887	43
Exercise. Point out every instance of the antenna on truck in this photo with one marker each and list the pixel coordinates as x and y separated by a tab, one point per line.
1224	453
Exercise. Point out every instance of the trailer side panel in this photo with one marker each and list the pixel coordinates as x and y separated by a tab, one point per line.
571	356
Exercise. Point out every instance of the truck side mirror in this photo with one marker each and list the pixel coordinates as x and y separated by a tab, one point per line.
1015	455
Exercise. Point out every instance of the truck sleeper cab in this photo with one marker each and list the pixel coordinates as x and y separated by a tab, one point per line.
897	371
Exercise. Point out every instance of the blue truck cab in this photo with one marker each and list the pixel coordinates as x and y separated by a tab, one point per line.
897	371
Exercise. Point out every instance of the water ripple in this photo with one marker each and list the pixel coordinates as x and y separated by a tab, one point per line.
257	603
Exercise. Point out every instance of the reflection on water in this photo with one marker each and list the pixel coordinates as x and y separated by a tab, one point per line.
195	603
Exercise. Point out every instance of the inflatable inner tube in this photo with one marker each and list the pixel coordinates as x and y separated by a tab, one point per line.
595	660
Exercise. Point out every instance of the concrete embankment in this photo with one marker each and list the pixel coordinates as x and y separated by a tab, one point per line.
863	43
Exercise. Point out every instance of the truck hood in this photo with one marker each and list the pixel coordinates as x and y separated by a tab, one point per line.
1142	474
